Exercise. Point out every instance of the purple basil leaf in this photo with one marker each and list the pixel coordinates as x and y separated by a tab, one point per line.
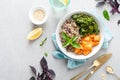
113	11
118	22
51	74
115	5
39	74
40	77
43	64
100	4
105	0
112	4
47	78
32	78
33	69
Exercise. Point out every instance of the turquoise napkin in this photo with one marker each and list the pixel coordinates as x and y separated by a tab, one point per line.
76	63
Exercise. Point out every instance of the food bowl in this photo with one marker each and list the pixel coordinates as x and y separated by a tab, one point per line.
38	15
94	49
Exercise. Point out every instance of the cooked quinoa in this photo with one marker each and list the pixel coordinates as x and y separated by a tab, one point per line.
71	29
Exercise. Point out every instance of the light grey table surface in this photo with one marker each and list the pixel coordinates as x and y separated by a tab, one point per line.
17	53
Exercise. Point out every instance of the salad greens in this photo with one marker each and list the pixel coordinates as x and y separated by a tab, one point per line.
70	41
86	23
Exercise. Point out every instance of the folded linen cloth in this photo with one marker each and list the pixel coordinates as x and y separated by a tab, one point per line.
76	63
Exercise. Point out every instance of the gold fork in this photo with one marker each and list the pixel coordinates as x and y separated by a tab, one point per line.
95	63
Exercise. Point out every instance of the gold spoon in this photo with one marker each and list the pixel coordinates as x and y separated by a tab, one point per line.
95	63
109	70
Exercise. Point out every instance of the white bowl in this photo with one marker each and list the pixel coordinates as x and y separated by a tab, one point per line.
31	12
71	54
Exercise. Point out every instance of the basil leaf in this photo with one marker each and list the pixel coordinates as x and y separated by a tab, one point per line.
43	42
118	22
46	54
32	78
115	6
40	76
70	41
51	74
106	15
66	44
43	64
75	45
47	74
74	38
64	36
100	4
33	69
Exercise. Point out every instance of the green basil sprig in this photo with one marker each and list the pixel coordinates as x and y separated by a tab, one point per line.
70	41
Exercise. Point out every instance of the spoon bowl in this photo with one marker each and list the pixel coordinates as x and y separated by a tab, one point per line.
109	70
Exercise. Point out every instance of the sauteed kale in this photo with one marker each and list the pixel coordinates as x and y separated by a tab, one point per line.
86	23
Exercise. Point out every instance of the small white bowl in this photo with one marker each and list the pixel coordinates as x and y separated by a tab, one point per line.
31	15
95	49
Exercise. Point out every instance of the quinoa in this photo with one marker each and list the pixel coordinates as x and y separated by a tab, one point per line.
71	29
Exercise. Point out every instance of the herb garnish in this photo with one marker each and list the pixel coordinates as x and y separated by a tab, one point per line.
100	3
47	74
33	70
118	22
46	54
32	78
42	43
70	41
114	5
106	15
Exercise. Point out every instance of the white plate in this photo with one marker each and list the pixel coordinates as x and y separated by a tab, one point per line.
94	49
